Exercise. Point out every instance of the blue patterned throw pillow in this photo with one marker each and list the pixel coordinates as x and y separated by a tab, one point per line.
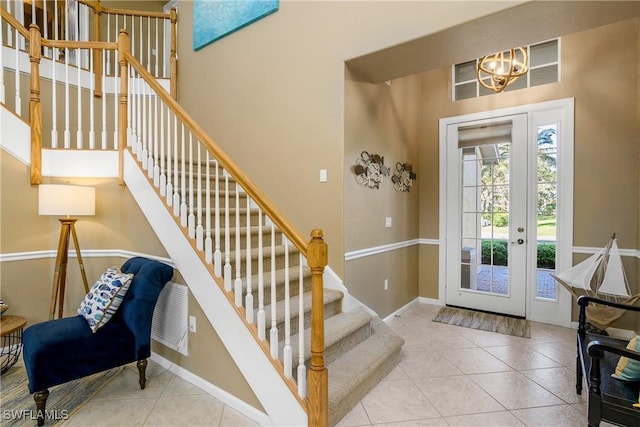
104	297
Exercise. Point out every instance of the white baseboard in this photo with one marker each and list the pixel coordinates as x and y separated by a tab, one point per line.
624	334
228	399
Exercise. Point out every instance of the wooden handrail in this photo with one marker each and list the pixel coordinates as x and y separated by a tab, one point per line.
250	188
14	23
75	44
146	14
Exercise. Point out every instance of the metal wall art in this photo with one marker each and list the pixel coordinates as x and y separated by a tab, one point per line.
403	177
370	170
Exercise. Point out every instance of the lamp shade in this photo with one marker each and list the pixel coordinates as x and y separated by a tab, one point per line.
66	200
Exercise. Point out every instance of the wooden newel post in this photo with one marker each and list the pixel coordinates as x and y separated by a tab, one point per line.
124	45
318	376
97	54
35	108
173	61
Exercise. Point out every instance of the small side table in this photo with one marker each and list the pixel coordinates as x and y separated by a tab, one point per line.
11	340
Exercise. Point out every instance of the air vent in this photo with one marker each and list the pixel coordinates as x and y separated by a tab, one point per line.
170	317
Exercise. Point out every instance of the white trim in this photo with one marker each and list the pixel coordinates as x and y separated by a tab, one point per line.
80	163
431	301
361	253
228	399
86	253
401	310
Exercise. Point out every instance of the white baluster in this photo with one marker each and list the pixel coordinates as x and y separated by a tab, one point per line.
302	368
139	124
287	353
156	142
79	142
148	44
54	96
208	242
191	219
217	254
199	195
104	104
156	49
273	338
170	144
18	99
249	298
116	110
261	314
67	132
146	146
176	194
183	177
140	39
108	58
238	282
92	132
163	176
227	238
46	28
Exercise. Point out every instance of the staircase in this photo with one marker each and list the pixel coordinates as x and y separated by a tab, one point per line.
360	349
243	262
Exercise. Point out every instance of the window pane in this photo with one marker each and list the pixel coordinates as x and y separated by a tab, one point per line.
465	72
543	53
544	75
521	83
467	90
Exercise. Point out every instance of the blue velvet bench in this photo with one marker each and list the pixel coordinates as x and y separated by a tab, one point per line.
62	350
610	399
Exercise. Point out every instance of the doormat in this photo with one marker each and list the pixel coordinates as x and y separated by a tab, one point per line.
64	400
484	321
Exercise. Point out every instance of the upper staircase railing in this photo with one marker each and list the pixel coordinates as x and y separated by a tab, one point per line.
252	252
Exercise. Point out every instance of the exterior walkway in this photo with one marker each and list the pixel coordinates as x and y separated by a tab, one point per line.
495	279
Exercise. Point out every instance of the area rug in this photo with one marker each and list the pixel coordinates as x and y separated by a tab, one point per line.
19	409
484	321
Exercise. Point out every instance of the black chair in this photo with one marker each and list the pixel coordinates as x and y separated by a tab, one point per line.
610	399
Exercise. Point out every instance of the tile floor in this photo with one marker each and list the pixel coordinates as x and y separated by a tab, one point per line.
448	376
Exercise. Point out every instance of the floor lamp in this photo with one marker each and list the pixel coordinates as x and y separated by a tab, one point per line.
68	200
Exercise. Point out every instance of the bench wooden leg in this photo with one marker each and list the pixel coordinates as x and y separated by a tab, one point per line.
40	398
142	369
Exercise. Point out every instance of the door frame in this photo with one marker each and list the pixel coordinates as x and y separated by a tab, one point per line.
564	108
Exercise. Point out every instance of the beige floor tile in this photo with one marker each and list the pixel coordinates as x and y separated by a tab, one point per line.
562	352
430	422
394	401
513	390
445	338
563	415
491	419
474	361
126	385
233	418
426	364
487	339
355	418
201	410
179	387
559	381
396	374
114	412
457	396
521	357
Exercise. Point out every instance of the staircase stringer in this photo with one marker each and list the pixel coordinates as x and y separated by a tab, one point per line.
282	406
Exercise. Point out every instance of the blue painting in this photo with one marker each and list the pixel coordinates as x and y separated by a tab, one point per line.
213	20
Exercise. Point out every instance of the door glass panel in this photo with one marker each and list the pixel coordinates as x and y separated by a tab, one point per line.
546	200
485	218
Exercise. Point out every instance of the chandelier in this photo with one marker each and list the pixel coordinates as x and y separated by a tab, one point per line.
499	70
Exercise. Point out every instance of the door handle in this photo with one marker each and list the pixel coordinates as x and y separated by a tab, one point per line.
519	242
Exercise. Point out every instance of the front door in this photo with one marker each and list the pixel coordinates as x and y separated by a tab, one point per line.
486	233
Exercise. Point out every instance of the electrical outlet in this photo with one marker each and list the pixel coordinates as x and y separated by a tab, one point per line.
192	324
386	284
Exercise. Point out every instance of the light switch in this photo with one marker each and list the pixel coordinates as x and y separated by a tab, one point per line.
388	222
323	175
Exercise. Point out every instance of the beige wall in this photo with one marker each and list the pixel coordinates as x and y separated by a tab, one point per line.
381	119
271	94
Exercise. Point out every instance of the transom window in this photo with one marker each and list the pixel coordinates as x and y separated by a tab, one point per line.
544	67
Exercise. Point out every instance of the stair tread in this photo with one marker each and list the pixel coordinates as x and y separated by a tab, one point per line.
329	296
358	365
336	328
